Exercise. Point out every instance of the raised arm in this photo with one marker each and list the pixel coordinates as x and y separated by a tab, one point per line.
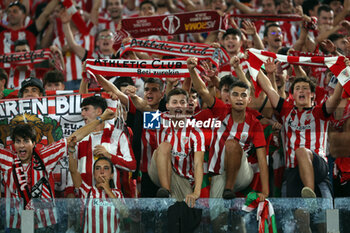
108	114
73	164
94	12
333	101
45	15
198	83
110	87
266	85
77	49
235	63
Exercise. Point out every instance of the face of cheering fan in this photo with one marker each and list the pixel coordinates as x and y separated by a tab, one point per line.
115	8
152	93
302	94
24	149
15	16
147	10
177	106
105	42
89	113
240	98
32	91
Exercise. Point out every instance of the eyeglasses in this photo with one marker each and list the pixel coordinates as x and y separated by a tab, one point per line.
276	33
108	37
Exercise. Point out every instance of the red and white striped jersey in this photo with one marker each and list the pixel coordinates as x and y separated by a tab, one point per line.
46	213
73	62
9	36
104	23
115	142
16	77
303	129
148	145
248	133
185	140
100	213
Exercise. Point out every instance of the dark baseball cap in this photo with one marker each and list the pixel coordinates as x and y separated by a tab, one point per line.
19	4
31	82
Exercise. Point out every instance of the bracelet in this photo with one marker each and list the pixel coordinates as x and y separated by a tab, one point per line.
70	150
100	119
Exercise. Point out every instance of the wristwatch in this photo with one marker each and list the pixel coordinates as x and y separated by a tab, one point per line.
100	119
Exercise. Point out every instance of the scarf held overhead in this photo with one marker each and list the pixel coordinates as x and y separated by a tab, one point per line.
336	64
138	68
25	58
217	56
164	25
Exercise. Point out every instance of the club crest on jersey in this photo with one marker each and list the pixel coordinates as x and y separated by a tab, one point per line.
185	140
151	120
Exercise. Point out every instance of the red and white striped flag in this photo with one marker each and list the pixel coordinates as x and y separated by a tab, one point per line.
336	64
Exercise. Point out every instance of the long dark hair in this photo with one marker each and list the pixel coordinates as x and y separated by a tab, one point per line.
111	181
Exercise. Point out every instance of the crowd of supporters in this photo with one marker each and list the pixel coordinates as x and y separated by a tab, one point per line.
288	140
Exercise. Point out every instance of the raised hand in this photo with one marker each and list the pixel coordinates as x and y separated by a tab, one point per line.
192	63
270	66
108	114
235	61
100	150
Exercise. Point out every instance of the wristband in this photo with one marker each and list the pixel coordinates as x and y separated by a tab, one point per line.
100	119
70	150
250	37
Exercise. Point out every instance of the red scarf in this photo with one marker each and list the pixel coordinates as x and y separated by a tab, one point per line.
165	25
25	58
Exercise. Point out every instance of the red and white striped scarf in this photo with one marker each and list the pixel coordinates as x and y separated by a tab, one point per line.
217	56
25	58
76	17
336	64
38	185
176	68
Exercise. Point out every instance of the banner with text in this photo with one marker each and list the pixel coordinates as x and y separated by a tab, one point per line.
53	117
164	25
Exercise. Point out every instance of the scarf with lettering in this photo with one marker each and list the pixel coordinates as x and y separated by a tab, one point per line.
336	64
269	17
25	58
265	213
176	68
165	25
217	56
38	185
